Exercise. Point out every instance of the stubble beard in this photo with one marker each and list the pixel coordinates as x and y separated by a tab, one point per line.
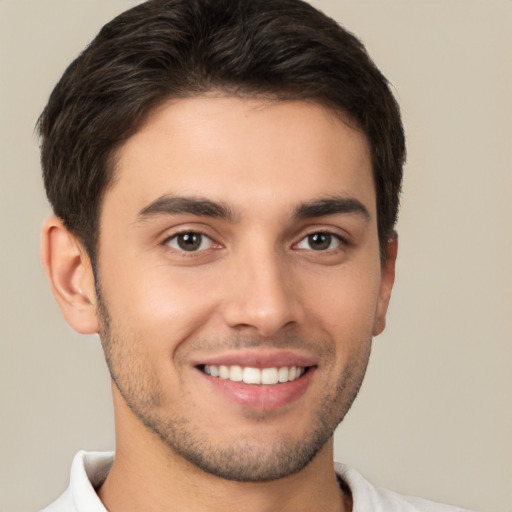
244	460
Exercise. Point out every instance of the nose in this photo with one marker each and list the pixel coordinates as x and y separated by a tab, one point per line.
260	294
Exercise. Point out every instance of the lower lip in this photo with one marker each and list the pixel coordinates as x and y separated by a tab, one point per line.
261	397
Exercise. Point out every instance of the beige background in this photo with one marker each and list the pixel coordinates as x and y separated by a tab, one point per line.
434	417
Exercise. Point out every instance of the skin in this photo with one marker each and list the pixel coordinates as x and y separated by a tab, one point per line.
258	288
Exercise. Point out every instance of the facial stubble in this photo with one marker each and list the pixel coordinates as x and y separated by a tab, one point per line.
242	459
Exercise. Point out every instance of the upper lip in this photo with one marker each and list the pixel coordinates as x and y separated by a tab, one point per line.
258	359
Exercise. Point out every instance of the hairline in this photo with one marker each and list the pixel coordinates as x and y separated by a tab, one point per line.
280	95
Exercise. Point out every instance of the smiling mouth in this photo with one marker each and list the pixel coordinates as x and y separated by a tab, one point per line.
249	375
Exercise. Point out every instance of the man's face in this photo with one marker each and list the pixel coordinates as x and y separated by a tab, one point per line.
241	281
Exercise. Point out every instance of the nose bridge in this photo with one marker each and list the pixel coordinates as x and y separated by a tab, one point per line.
260	292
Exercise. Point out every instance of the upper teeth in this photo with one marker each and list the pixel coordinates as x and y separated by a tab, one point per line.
250	375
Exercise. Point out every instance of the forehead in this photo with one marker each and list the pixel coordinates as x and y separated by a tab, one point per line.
243	152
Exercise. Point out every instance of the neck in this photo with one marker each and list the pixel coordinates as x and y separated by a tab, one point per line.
147	475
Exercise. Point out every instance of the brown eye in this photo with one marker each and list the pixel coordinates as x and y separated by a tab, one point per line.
320	241
190	242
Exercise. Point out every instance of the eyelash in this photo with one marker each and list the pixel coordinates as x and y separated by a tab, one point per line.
330	234
182	251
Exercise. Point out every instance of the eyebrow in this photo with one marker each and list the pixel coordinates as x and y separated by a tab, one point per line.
332	206
176	205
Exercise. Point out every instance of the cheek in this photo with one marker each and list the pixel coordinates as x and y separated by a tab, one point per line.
162	304
346	301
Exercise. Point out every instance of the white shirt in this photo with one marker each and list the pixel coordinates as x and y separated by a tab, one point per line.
89	470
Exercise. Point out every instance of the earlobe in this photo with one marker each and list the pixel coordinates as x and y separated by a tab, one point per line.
69	271
386	285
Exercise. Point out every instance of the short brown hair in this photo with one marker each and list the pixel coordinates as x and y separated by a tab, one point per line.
282	49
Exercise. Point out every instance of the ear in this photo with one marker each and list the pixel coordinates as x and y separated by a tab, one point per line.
69	271
386	284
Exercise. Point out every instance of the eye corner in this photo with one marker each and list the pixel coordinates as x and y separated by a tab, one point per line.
189	241
321	240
